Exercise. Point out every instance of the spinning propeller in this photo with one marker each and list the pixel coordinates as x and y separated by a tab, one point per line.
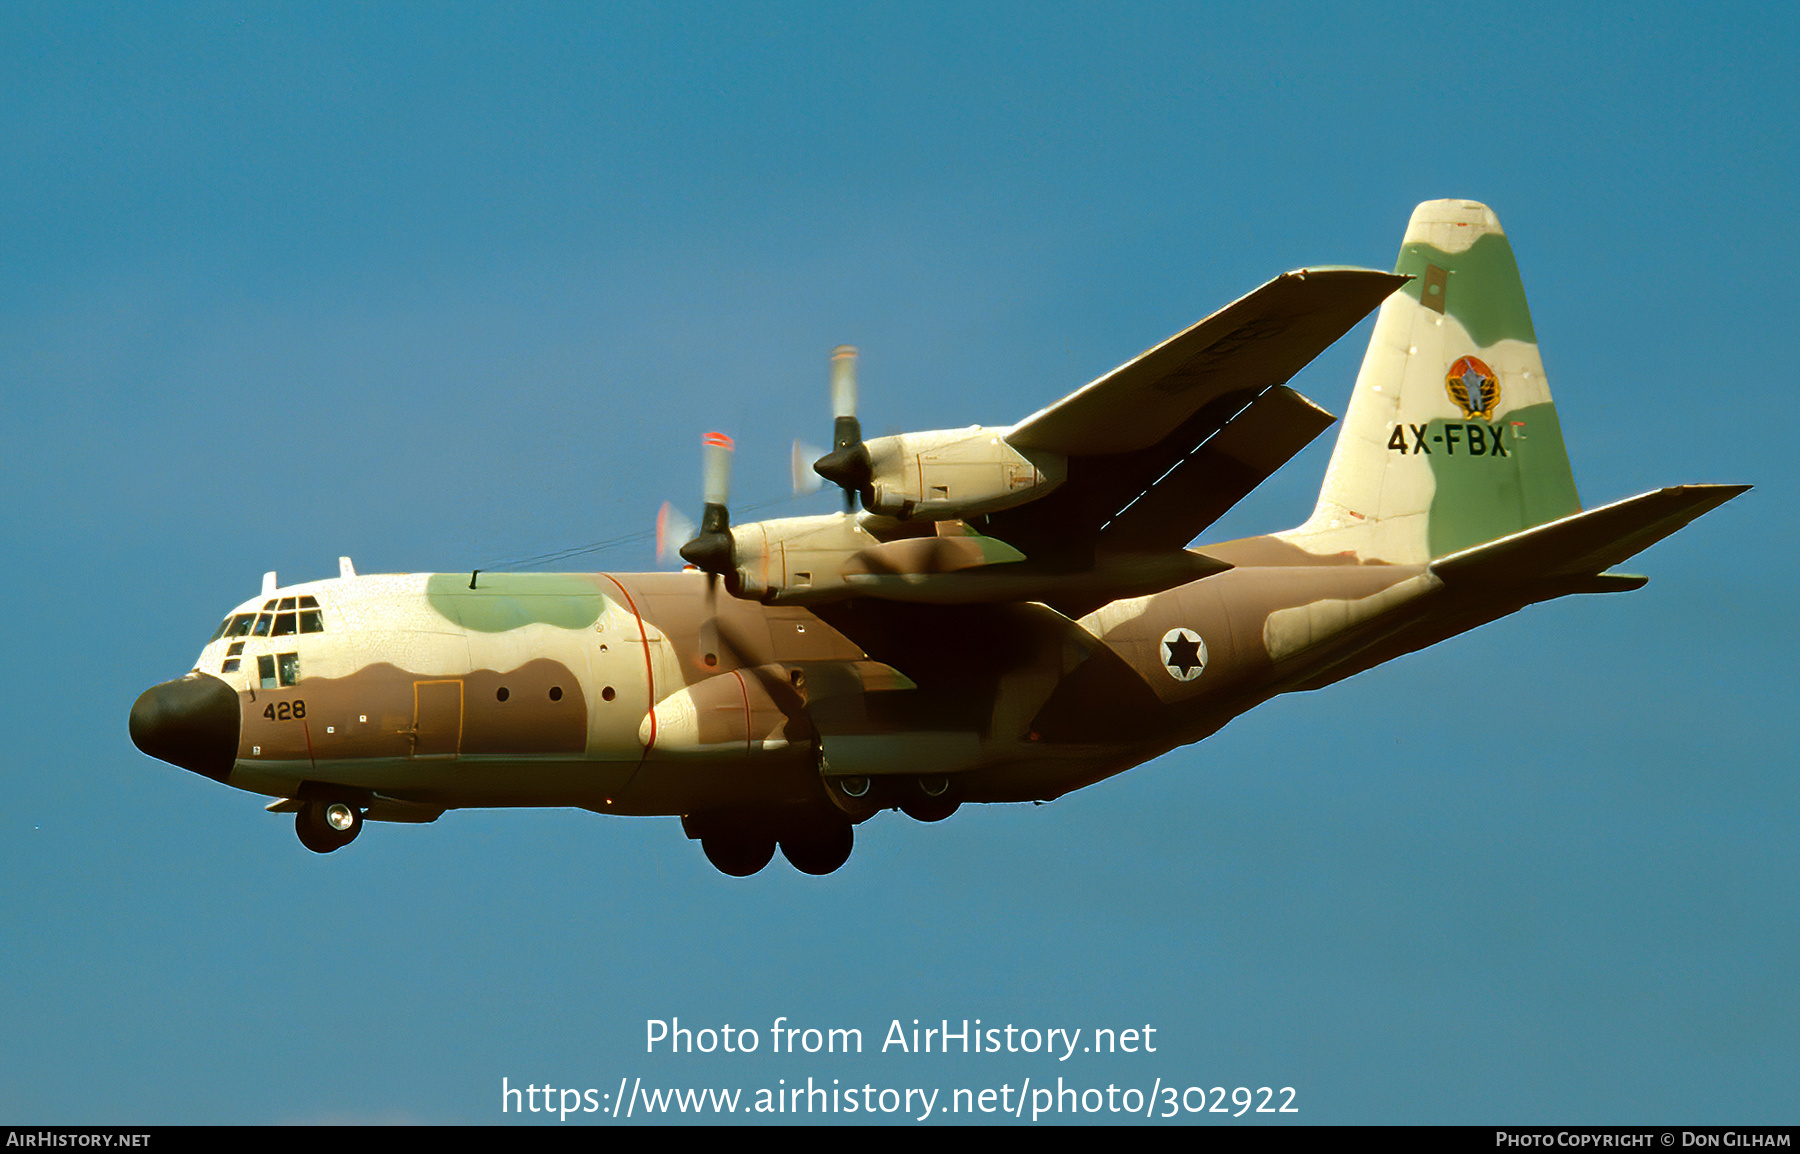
672	527
710	550
847	465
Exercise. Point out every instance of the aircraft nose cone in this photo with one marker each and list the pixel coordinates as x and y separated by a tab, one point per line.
191	722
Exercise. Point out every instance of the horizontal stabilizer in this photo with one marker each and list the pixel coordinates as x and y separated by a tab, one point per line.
1259	340
1584	544
1555	559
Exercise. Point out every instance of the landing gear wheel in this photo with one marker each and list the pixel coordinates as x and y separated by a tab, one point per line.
928	799
929	808
324	826
819	847
738	854
855	797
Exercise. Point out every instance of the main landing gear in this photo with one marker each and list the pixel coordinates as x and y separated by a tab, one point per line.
739	853
818	847
817	843
926	798
327	825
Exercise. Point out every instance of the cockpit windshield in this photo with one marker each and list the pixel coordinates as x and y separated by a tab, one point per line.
277	619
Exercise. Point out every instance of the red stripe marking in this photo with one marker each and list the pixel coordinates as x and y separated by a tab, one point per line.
717	441
744	693
649	674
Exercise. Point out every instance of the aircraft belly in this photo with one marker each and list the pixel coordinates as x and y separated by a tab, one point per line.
617	787
468	782
1044	772
725	782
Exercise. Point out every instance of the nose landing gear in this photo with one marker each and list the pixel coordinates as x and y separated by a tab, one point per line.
324	826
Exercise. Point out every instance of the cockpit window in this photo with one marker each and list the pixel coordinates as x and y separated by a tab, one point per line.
280	617
235	626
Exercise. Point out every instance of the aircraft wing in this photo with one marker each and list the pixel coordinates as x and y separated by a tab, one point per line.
1163	445
1256	341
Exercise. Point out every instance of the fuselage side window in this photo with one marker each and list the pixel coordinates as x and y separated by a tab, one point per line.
290	668
265	671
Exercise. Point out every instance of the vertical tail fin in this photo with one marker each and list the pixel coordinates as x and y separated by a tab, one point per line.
1451	438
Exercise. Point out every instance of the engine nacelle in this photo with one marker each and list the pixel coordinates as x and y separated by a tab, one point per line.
795	555
730	713
950	474
809	560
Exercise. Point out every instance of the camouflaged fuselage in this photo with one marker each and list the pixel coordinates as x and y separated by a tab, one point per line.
648	694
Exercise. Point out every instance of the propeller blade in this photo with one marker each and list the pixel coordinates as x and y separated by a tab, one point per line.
843	388
712	548
806	482
673	530
847	465
717	483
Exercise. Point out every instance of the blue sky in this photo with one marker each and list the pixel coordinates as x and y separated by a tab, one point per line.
445	286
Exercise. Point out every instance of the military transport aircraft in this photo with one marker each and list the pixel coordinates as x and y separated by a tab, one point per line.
1014	612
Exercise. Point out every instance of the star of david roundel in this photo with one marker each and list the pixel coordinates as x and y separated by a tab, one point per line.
1183	654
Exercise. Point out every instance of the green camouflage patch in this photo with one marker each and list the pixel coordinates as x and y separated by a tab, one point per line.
1482	497
1483	290
502	601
